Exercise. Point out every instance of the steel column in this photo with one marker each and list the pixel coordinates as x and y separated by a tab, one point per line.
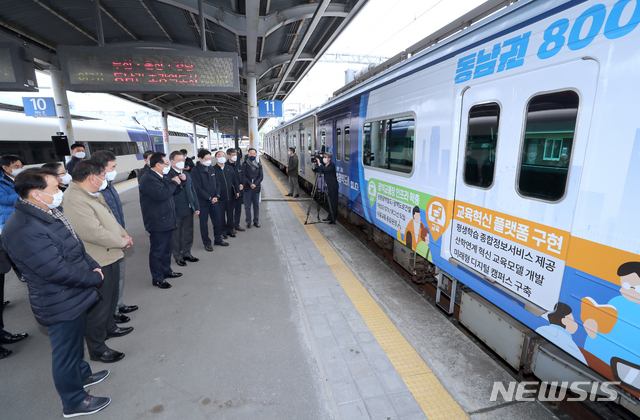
252	103
62	105
165	132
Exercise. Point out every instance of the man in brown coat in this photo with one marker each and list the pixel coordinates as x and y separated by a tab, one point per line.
104	239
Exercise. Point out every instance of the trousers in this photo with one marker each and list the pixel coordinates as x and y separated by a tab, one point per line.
251	199
211	211
99	320
67	361
293	184
183	237
120	288
226	216
237	211
160	255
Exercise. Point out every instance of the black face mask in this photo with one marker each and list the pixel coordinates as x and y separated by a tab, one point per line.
252	158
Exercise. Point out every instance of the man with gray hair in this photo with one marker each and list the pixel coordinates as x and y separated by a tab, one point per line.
328	169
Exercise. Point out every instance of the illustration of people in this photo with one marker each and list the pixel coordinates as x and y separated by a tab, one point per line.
612	329
562	326
415	232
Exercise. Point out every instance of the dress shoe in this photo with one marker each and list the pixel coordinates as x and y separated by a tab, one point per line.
127	309
109	356
4	352
208	248
296	196
333	222
191	258
224	236
119	332
13	338
326	219
256	224
172	275
223	243
163	285
248	225
181	263
233	235
6	302
121	318
289	195
234	231
90	405
95	378
240	229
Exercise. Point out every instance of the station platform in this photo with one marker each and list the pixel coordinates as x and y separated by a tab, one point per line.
291	321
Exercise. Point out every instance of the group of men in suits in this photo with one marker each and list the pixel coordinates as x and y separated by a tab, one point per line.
173	190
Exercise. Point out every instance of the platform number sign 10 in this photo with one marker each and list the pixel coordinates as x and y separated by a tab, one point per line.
39	107
267	109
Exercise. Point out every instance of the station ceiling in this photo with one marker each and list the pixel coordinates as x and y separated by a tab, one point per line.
277	40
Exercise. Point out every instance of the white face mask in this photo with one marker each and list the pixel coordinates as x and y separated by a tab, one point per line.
180	165
234	158
221	160
15	172
206	162
110	176
325	160
166	170
103	185
81	155
57	199
66	179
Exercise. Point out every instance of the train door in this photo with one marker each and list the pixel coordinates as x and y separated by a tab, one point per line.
521	149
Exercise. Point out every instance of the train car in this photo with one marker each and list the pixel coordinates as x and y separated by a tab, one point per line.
30	138
508	156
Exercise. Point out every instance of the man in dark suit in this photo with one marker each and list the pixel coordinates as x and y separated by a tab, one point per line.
146	156
252	178
207	188
233	156
229	192
77	154
188	162
62	280
159	216
186	202
328	169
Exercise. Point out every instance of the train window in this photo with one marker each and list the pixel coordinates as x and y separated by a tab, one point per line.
323	141
31	152
338	144
347	145
388	144
293	140
547	145
482	139
309	141
118	148
301	143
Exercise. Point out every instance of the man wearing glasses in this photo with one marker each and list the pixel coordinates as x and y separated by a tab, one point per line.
159	216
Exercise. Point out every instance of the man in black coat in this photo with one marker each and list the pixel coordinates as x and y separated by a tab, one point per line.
233	156
328	169
186	202
188	162
159	216
229	191
77	154
62	280
146	156
5	336
207	188
252	178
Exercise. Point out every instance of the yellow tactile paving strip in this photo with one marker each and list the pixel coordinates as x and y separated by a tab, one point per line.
433	398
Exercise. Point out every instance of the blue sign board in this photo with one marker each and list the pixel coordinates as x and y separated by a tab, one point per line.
268	109
39	107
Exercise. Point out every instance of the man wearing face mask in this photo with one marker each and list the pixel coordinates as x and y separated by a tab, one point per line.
292	173
78	153
252	178
107	159
62	280
146	156
159	216
207	186
63	177
232	154
104	239
11	167
328	168
186	203
229	192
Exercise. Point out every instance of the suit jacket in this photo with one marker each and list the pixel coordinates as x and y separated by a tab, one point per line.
228	182
293	165
190	197
237	167
206	183
329	172
72	164
249	174
143	171
156	200
95	224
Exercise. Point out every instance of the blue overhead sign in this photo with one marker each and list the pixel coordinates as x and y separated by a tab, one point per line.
268	109
39	107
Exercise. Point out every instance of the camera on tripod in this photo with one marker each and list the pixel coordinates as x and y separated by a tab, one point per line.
317	157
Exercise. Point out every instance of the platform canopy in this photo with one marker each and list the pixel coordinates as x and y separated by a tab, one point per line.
278	41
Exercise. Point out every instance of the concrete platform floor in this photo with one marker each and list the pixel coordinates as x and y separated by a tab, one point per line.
261	329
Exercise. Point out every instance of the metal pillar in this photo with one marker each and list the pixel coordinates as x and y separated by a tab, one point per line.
252	102
203	27
209	145
165	132
195	140
62	105
235	132
98	15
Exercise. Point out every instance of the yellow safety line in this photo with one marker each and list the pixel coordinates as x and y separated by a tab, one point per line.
127	184
430	394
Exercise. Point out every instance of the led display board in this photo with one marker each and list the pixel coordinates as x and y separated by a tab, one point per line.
117	69
17	72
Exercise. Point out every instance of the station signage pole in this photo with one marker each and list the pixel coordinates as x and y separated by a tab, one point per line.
62	106
252	103
165	133
195	140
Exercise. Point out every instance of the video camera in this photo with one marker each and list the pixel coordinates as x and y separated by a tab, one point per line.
317	157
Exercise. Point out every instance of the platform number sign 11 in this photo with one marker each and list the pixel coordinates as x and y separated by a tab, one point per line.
268	109
39	107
